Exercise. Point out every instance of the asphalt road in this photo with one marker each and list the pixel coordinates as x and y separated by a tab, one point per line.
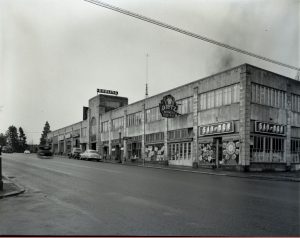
71	197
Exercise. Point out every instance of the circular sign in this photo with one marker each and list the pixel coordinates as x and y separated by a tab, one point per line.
230	148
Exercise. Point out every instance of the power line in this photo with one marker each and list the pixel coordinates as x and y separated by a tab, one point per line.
194	35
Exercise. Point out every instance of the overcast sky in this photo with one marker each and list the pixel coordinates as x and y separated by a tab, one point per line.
54	54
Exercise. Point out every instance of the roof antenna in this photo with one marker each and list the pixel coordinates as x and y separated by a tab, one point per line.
146	94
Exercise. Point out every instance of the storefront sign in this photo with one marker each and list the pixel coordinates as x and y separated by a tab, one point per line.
269	128
219	128
168	107
107	91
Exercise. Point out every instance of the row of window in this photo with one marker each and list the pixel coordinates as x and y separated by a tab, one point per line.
268	144
154	137
180	134
295	103
153	114
179	151
295	146
267	96
185	105
117	123
134	119
219	97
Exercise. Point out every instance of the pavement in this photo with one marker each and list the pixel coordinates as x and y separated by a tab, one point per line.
291	176
10	188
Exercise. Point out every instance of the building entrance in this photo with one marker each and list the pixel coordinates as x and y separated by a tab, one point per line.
93	146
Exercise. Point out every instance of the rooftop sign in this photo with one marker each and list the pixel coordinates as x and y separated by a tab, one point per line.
168	107
107	91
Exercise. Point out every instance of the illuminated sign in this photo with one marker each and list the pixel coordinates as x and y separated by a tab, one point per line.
269	128
219	128
107	91
168	107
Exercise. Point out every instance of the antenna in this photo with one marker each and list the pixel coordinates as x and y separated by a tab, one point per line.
146	94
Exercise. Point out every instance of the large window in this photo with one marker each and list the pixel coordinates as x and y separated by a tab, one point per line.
134	119
185	105
295	103
117	123
83	132
104	126
219	97
180	151
268	96
153	114
267	149
295	150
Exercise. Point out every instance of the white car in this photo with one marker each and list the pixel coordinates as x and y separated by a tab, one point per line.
90	155
26	152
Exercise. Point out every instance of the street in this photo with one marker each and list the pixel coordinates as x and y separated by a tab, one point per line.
73	197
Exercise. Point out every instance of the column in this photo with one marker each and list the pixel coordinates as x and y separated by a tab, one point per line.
287	141
144	129
125	152
166	139
245	113
195	156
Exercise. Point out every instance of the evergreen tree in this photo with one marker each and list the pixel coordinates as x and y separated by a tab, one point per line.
12	138
46	130
2	139
22	140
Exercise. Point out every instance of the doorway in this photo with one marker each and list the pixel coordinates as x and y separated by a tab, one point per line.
217	141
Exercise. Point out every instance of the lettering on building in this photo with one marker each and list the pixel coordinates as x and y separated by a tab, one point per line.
269	128
107	91
168	107
218	128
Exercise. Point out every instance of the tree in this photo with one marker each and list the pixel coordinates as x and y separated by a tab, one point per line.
12	138
2	139
22	140
46	130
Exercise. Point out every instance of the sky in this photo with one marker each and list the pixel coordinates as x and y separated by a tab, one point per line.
54	54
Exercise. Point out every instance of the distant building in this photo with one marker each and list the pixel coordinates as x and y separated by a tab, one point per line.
242	118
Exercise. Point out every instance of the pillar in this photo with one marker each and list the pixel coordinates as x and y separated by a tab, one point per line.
195	126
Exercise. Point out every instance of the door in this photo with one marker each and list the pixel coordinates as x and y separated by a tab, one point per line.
219	152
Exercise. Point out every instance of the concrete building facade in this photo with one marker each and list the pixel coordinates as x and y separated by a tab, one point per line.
242	118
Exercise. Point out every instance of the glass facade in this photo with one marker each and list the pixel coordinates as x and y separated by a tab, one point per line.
268	96
295	103
219	97
117	123
134	119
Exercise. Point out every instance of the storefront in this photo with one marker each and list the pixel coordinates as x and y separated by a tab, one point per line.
218	145
154	147
117	149
267	144
61	145
180	145
68	143
134	147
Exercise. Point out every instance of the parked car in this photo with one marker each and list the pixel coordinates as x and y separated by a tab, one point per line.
44	152
7	149
26	152
90	155
75	153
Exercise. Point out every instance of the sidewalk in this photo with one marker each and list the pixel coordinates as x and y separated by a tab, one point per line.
10	188
293	176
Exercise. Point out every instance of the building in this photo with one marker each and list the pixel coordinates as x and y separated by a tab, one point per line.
243	118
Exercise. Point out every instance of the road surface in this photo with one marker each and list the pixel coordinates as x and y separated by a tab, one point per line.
72	197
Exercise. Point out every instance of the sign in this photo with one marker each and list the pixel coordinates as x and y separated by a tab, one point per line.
107	91
219	128
269	128
168	107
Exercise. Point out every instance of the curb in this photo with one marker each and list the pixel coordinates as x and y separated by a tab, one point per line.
229	175
272	178
19	190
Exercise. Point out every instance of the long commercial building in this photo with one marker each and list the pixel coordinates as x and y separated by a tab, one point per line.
244	118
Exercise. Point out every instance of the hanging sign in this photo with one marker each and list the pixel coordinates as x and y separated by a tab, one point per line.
107	91
269	128
219	128
168	107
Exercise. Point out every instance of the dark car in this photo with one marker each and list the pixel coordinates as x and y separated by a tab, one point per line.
75	153
7	149
44	151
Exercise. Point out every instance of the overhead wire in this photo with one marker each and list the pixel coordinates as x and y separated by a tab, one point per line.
194	35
